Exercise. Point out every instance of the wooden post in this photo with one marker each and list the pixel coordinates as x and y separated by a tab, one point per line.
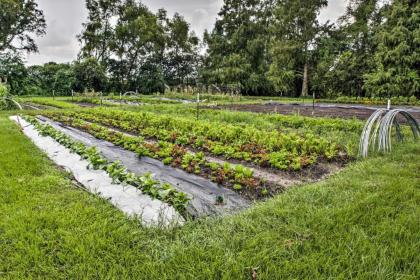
305	80
313	103
198	104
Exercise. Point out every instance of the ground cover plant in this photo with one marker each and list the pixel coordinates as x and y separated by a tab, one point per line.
221	98
359	224
116	171
284	151
113	100
183	98
217	98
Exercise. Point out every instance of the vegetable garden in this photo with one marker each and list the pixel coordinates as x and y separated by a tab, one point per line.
255	156
281	143
188	144
214	164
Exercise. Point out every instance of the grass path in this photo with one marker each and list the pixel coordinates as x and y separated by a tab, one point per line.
363	223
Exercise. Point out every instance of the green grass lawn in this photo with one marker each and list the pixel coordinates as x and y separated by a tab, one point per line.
363	223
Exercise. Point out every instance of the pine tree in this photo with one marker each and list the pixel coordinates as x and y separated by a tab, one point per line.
295	29
397	58
237	47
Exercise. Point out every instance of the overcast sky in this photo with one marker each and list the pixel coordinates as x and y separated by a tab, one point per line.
65	17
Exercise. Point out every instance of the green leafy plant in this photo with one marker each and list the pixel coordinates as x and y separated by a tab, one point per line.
115	170
224	174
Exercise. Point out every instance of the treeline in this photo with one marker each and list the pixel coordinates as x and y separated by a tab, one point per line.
257	47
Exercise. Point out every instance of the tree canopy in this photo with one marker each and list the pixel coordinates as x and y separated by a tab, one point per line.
256	47
19	21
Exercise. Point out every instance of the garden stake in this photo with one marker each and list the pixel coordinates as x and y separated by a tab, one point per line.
313	103
198	102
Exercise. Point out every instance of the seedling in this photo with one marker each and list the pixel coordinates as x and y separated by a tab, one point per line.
220	200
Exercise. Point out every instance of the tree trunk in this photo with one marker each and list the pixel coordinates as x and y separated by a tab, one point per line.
305	81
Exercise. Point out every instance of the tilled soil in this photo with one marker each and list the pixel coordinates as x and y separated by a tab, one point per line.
33	106
319	110
86	105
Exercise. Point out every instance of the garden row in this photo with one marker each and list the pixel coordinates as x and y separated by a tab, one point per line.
300	124
395	100
58	103
283	151
225	98
236	177
119	174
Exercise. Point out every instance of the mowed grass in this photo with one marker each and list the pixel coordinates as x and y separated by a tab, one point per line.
363	223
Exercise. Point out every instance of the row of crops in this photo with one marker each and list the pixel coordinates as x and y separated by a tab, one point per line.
236	177
188	144
284	151
326	127
119	174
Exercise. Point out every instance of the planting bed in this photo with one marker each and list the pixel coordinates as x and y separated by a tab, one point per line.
274	149
31	106
203	193
221	167
321	110
360	223
84	163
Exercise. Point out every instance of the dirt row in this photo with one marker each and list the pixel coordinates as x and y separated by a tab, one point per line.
319	110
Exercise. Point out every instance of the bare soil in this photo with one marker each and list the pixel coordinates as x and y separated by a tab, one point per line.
319	110
86	105
33	106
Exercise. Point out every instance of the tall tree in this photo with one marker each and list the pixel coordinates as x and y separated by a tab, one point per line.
19	21
181	51
328	68
89	75
98	30
237	47
137	37
295	30
397	58
358	27
13	70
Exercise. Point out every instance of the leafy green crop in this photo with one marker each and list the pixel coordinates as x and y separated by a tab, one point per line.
115	170
175	155
265	148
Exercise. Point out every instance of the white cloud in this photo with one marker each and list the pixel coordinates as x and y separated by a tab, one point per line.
64	21
335	9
